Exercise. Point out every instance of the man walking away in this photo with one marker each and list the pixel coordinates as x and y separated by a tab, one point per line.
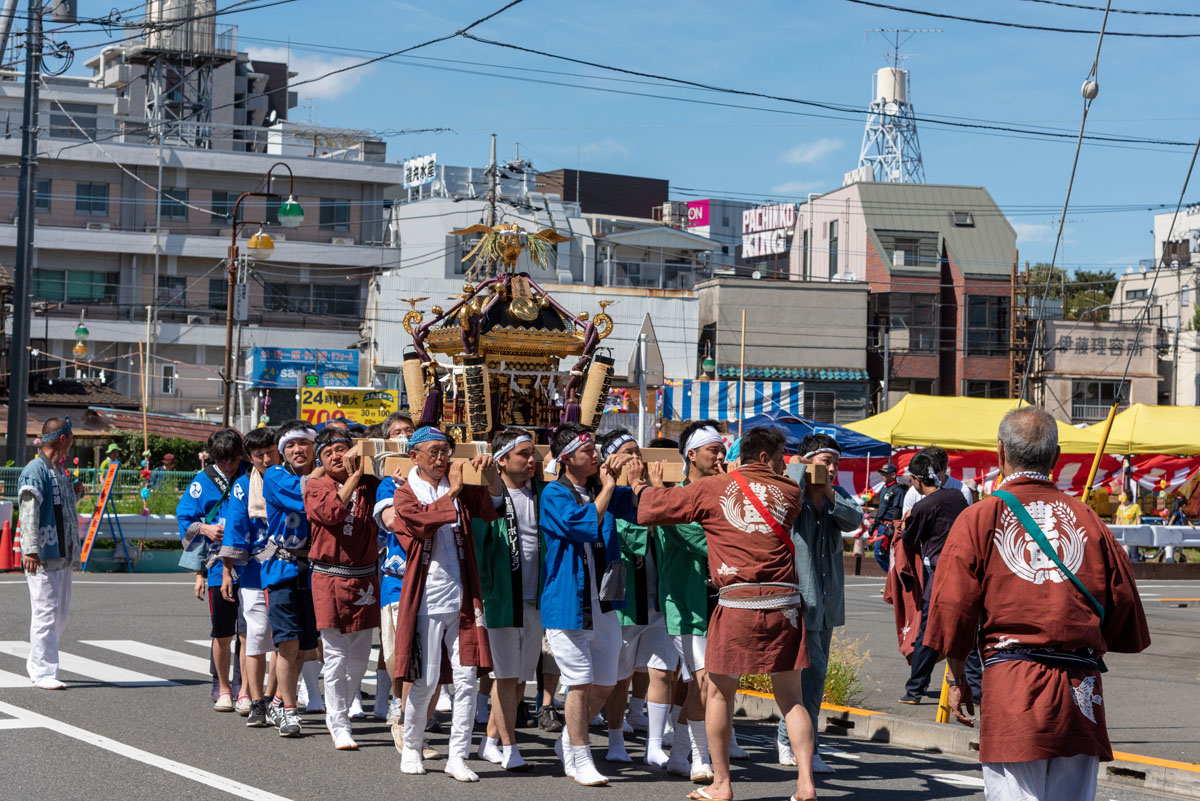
1052	590
49	548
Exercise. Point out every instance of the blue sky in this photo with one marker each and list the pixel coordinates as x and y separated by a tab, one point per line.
811	49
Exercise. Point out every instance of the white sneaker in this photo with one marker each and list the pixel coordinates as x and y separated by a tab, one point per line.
395	711
786	757
819	766
49	683
430	753
397	728
679	764
488	751
444	702
356	708
702	773
410	763
458	769
343	741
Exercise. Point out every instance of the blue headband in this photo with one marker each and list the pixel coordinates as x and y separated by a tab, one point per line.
425	434
349	443
54	436
616	445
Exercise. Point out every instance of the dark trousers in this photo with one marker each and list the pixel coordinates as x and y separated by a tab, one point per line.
882	547
924	658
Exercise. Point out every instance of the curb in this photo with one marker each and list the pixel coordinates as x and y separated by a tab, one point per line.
1127	770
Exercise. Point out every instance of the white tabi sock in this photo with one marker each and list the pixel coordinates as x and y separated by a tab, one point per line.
680	763
311	674
488	750
510	758
585	770
616	746
699	742
383	690
637	705
657	715
669	732
735	750
562	747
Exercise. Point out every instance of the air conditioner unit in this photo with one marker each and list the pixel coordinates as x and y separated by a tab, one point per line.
197	319
99	226
342	240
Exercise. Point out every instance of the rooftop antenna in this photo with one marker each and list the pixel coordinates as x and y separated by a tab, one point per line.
891	150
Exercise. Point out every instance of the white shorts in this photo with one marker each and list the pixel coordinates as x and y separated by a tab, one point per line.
588	656
387	636
253	607
690	648
515	651
646	646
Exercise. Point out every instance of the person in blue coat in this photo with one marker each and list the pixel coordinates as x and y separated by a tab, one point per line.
201	529
583	582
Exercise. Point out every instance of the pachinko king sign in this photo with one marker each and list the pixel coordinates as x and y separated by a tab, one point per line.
767	230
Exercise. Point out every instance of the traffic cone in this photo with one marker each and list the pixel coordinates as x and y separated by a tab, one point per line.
16	547
6	552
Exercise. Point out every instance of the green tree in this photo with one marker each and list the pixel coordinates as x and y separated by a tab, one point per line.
1081	294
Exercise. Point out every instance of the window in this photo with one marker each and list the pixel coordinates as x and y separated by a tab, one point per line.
807	263
221	207
819	406
62	127
906	252
41	201
1091	400
339	300
174	204
335	214
172	291
218	293
987	325
985	389
91	199
1135	294
75	286
169	374
963	219
833	248
911	321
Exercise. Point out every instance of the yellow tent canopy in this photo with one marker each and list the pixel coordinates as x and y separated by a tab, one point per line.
961	424
1173	430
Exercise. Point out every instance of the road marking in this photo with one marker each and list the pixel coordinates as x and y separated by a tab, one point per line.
833	752
152	653
154	760
99	671
75	581
10	680
202	643
16	723
368	677
956	780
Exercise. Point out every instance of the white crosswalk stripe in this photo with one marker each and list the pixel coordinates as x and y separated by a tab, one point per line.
90	668
11	680
153	653
368	677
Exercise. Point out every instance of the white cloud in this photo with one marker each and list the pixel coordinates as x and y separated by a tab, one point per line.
310	66
796	187
811	153
605	148
1031	232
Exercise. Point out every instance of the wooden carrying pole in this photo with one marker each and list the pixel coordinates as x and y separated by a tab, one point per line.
1087	488
742	377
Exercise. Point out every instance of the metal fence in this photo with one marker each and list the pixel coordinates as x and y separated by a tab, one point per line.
128	483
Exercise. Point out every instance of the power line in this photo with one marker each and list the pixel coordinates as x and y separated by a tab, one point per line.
1022	25
1115	10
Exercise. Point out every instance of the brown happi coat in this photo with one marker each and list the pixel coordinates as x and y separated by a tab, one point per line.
345	535
993	577
904	589
415	526
742	548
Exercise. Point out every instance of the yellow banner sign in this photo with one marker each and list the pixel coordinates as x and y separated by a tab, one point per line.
366	406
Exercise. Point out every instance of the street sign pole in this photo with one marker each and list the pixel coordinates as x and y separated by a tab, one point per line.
642	338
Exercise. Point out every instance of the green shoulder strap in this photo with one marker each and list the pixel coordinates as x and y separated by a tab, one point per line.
1034	531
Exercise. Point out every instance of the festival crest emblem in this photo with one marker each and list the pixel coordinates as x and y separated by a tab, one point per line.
1023	556
742	515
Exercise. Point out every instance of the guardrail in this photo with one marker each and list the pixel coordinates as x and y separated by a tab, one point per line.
128	483
1152	536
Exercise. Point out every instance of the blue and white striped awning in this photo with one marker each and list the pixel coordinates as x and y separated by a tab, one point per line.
718	400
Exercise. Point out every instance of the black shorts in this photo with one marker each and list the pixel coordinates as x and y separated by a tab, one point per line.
290	613
225	615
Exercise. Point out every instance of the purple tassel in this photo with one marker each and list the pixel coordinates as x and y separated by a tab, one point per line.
572	413
431	414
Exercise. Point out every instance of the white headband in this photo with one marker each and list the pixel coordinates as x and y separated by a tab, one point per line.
699	438
571	447
834	451
298	433
504	451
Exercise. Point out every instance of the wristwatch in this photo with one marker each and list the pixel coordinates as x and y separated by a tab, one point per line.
951	682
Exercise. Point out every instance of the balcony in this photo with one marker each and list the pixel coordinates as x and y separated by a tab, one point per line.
651	274
1092	412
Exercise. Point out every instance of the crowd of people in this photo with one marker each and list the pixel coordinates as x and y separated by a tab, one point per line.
592	572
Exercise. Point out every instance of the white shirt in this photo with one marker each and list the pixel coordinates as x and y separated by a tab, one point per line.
443	583
912	496
525	509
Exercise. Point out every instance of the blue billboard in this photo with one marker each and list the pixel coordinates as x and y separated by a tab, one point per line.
285	368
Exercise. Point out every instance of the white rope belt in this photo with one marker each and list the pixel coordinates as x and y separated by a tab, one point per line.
786	600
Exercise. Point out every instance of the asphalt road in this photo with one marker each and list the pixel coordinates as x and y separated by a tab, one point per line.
1149	698
141	726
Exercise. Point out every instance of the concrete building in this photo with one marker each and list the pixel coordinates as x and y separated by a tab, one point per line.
1080	372
606	193
716	218
149	266
938	261
800	331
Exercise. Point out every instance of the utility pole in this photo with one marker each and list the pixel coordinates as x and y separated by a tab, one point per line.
884	404
18	382
492	173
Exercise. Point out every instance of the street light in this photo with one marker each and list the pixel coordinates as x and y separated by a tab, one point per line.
260	246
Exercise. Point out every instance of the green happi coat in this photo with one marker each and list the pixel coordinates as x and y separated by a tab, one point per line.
680	554
498	556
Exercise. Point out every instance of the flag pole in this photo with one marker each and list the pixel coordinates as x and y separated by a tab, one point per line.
742	377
